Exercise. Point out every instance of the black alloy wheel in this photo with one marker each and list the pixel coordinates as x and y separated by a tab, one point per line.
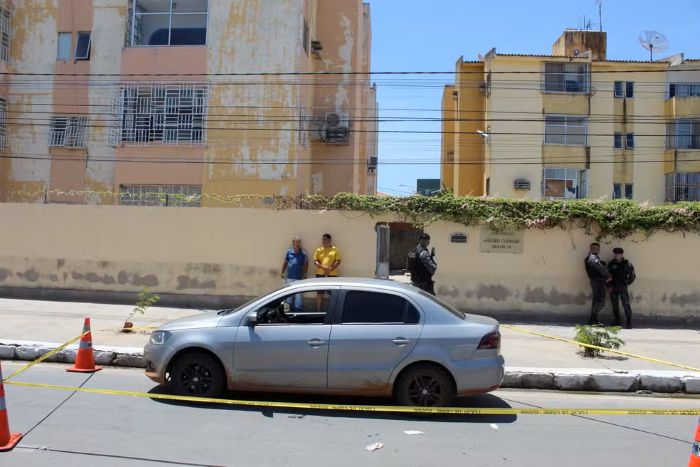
425	386
197	374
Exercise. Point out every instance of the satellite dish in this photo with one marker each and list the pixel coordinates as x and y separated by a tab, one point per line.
653	41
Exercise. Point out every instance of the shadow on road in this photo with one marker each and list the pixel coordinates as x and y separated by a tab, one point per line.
481	401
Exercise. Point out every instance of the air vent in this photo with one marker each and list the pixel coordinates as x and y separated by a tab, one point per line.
521	184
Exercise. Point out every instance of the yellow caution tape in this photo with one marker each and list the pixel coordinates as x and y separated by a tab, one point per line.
45	356
619	352
371	408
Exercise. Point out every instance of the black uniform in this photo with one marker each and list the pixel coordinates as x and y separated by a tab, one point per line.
598	275
622	275
421	264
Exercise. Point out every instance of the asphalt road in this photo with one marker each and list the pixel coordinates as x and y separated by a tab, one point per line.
76	429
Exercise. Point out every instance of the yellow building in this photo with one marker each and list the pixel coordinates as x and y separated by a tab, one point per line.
156	99
573	125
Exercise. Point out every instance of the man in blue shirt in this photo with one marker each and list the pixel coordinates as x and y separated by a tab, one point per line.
295	268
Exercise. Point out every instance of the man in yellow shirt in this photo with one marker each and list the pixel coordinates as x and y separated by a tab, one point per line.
327	258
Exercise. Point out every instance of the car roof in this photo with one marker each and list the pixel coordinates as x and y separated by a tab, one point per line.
357	281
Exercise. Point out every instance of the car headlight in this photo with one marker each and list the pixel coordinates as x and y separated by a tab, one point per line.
159	337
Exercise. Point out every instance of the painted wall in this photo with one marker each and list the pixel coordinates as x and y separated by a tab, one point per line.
239	252
260	129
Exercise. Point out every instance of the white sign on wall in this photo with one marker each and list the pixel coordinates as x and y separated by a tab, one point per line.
501	242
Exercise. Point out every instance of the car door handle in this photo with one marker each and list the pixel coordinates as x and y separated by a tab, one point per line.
315	342
401	341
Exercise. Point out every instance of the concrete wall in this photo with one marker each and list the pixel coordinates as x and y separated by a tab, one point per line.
234	253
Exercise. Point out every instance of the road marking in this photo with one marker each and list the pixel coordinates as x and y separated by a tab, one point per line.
369	408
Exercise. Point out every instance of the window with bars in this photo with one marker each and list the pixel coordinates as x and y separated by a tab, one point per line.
68	131
3	123
184	196
683	186
160	113
683	134
561	183
618	89
168	22
565	129
683	90
566	77
629	141
4	35
622	190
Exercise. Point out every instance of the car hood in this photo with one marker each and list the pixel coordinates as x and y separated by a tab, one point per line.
208	319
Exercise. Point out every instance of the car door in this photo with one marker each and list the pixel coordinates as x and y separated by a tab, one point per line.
292	352
374	332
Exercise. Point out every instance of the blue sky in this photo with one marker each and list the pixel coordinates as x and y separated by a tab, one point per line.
417	35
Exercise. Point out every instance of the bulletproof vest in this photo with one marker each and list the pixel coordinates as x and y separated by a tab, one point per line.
419	273
591	270
620	272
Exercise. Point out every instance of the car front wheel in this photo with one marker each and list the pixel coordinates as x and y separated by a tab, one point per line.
425	386
196	374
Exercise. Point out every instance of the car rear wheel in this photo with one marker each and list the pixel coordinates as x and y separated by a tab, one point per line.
196	374
425	386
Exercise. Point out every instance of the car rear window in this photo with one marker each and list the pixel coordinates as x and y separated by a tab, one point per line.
376	307
446	306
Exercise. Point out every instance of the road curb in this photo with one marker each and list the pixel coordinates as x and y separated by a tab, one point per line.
562	379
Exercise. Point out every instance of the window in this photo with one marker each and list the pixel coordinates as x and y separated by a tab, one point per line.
683	186
306	37
618	89
168	22
629	90
618	141
65	40
565	183
187	196
620	189
684	90
375	307
82	46
3	123
308	307
68	131
161	113
4	35
629	140
683	134
565	129
566	77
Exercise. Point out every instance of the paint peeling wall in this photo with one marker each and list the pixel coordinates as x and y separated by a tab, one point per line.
239	252
260	129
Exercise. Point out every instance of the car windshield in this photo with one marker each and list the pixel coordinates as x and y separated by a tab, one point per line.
228	311
449	308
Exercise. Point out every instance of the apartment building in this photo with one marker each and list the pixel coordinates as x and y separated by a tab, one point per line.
573	125
185	102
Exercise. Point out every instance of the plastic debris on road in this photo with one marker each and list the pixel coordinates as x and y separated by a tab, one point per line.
413	432
494	426
374	446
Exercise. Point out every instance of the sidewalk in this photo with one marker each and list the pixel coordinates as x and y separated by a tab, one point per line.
46	324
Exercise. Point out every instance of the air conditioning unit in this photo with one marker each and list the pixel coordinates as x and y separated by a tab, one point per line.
521	184
335	128
372	165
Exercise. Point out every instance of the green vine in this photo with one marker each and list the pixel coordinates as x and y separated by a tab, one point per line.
619	218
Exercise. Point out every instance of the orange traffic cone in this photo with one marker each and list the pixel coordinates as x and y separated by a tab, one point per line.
84	359
694	460
7	440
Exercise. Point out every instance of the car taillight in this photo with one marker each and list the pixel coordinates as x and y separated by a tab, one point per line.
491	340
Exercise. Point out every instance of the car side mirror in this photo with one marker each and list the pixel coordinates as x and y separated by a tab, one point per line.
251	320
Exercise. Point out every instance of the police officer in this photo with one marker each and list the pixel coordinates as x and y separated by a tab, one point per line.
599	277
622	272
421	265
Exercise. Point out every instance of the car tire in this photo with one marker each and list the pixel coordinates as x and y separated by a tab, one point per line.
197	374
425	385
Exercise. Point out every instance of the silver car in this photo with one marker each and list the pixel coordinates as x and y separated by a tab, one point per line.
333	336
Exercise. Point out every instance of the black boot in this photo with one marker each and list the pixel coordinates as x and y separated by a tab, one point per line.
629	321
